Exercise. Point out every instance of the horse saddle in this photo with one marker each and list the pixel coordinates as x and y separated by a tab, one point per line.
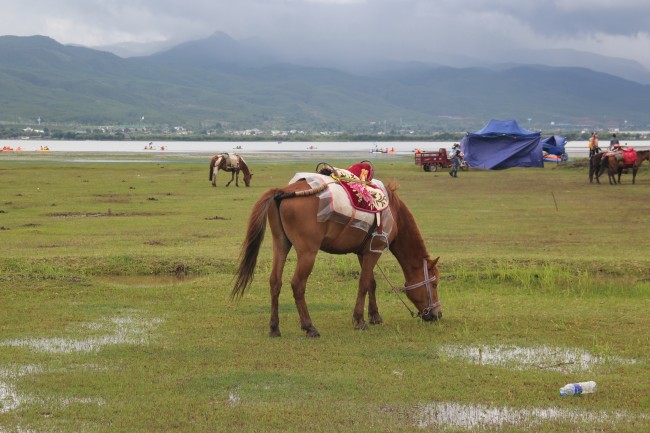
232	160
348	200
357	183
629	156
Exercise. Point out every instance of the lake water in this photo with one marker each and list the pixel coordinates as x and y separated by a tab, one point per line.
575	149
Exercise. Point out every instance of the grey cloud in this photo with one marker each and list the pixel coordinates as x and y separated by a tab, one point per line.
392	28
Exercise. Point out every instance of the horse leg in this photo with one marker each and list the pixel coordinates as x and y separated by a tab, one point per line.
599	170
280	252
367	284
237	178
304	267
231	179
214	179
634	170
281	248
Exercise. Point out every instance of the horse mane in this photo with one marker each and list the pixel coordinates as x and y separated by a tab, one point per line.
243	166
412	238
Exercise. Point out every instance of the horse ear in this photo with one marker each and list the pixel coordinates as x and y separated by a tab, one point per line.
435	261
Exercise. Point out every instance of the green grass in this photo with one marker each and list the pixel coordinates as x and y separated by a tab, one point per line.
115	315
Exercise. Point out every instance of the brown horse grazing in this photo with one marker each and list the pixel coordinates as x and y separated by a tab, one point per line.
615	166
292	211
641	155
232	163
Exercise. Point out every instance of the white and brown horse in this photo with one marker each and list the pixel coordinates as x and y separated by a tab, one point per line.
230	162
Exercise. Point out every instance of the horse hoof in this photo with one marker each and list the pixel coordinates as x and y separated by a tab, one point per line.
375	319
361	325
312	332
275	333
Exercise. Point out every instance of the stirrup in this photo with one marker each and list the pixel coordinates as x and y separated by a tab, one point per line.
384	240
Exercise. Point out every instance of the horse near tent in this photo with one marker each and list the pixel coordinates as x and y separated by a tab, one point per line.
616	162
316	211
232	163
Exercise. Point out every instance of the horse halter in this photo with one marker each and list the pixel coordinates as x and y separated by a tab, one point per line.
426	282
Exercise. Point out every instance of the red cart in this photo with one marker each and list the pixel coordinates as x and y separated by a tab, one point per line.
435	159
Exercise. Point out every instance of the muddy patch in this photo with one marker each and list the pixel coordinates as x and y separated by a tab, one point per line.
148	281
108	213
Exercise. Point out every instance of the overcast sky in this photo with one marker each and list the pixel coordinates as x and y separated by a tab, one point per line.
398	29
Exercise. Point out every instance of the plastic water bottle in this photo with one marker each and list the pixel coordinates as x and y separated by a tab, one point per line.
578	388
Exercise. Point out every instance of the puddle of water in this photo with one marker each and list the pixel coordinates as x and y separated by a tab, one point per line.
10	399
119	330
469	417
526	358
18	429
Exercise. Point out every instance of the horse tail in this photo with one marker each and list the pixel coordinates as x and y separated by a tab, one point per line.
251	246
212	164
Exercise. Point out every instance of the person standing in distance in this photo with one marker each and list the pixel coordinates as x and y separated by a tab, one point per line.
593	144
456	155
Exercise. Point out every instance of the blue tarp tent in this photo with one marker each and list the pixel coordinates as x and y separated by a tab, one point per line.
503	144
554	145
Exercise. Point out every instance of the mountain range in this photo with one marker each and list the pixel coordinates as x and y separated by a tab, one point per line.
221	83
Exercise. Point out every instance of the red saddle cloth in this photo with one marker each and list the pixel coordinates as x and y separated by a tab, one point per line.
629	156
363	195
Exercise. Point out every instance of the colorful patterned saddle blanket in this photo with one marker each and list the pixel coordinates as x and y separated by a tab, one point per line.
358	184
349	200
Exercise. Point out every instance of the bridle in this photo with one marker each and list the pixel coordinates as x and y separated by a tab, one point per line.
426	282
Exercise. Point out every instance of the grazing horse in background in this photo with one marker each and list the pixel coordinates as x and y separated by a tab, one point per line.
232	163
291	212
641	155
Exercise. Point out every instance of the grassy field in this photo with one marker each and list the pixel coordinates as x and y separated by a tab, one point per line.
115	316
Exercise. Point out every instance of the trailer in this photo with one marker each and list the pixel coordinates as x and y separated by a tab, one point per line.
435	159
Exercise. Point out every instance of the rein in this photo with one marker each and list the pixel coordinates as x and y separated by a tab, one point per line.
426	282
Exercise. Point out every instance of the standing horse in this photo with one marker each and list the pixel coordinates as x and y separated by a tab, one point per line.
641	155
291	212
595	166
232	163
615	166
